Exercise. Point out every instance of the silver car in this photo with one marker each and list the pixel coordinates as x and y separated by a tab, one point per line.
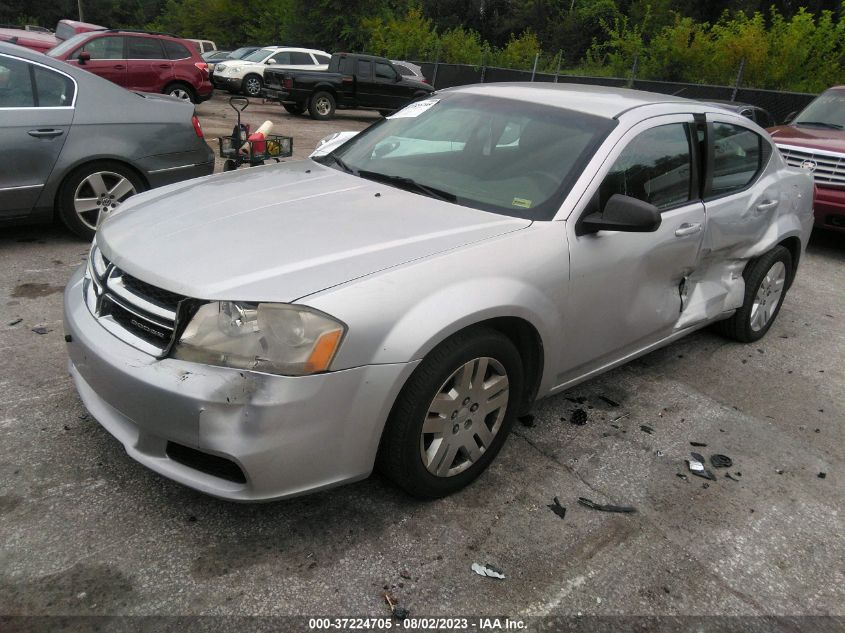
270	332
77	145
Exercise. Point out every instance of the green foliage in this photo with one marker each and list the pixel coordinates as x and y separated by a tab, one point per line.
411	37
462	46
518	53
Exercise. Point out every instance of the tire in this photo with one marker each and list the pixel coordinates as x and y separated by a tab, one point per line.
294	108
82	184
321	107
181	91
252	85
766	282
417	461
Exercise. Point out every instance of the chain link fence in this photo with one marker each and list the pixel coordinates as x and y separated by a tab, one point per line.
780	104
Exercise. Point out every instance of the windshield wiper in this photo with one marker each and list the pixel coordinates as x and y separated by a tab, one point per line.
324	160
833	126
409	184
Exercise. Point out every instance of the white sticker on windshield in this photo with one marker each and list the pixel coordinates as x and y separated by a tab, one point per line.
415	109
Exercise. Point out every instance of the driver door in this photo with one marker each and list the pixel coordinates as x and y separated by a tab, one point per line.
626	288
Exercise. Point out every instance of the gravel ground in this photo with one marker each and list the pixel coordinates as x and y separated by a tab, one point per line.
84	530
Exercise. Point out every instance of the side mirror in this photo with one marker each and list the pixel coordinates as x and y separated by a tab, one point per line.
397	78
790	116
84	56
622	213
270	62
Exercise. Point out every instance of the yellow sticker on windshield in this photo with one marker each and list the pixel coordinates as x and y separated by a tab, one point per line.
522	203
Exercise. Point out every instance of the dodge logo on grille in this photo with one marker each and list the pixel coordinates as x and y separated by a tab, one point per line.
809	165
147	329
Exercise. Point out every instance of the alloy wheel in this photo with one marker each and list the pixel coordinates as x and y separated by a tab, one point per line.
253	87
323	106
768	296
464	417
99	194
180	93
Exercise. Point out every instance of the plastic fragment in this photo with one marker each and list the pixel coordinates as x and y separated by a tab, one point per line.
682	476
731	477
16	321
612	403
40	329
579	417
696	467
822	475
721	461
698	444
488	570
605	508
645	428
557	508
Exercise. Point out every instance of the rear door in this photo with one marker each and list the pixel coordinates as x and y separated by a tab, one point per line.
391	93
629	286
36	111
149	70
108	59
365	88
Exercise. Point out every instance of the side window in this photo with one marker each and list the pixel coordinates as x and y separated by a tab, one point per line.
53	89
174	50
280	58
144	48
103	48
737	158
345	66
365	70
385	72
15	84
655	167
301	59
322	59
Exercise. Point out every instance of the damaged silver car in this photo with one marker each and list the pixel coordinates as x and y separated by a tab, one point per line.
399	300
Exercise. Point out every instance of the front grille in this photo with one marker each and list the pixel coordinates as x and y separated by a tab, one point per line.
828	167
139	313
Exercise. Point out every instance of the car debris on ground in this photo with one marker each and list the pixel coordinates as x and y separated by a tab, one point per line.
557	508
488	570
696	467
400	613
718	460
589	503
579	417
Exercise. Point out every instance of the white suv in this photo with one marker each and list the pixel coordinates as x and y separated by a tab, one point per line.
247	75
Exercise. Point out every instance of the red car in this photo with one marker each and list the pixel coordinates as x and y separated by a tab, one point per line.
33	40
140	61
815	140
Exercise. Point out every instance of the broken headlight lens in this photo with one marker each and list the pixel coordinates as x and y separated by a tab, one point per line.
270	337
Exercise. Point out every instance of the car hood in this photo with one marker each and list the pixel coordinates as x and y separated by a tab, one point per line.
281	232
810	137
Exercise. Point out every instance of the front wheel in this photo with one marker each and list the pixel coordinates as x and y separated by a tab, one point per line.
454	414
252	86
322	106
93	190
766	280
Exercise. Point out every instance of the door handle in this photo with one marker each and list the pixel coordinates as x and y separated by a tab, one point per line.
688	228
46	133
120	67
765	206
164	66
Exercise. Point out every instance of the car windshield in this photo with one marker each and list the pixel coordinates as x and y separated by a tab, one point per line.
240	53
68	45
260	55
827	110
506	156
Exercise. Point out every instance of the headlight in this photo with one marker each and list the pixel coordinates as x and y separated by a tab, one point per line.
270	337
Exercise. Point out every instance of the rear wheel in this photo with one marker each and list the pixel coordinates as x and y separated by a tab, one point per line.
93	190
181	91
252	85
453	415
766	280
322	106
294	108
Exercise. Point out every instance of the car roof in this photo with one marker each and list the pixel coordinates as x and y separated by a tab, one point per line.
295	48
604	101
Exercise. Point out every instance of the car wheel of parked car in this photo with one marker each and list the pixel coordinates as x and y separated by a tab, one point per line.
180	91
453	415
766	280
322	106
92	190
252	86
294	108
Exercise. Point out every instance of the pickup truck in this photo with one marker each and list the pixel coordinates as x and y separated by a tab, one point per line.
351	81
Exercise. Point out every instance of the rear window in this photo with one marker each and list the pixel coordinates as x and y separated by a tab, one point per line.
322	59
301	59
144	48
404	70
175	50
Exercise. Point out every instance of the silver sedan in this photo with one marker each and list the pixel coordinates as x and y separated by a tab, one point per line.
399	300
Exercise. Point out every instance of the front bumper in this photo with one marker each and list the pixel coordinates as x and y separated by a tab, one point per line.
829	208
287	435
227	83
